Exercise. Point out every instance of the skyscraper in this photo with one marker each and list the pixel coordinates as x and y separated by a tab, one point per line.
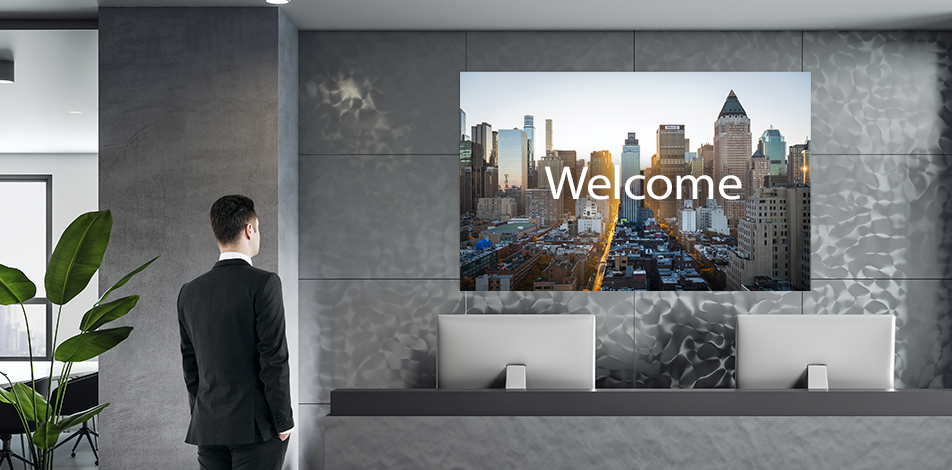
774	148
706	152
491	180
555	165
759	170
462	124
568	161
601	164
773	238
514	165
732	141
467	201
548	135
630	166
494	155
482	156
798	163
670	161
529	127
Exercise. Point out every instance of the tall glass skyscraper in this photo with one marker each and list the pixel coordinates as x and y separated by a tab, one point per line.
529	127
462	124
774	148
630	166
514	164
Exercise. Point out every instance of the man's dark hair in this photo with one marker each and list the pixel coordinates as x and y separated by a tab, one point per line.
229	216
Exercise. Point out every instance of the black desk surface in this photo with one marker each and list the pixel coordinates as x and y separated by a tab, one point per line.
640	402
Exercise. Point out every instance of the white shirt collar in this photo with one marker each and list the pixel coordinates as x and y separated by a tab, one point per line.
235	255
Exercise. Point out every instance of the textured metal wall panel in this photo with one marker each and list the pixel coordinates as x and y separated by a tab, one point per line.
310	432
379	216
686	339
530	51
614	324
656	443
882	216
878	93
371	334
923	310
714	51
371	93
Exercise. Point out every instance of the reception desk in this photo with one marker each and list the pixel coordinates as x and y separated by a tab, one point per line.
639	428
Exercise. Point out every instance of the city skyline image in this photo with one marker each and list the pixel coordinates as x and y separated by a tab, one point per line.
642	181
589	110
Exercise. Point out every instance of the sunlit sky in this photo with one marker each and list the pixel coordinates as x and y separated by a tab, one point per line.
596	110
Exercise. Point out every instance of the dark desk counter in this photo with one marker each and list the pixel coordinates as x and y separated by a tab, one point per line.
640	402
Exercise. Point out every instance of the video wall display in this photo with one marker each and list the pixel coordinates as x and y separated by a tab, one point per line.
622	181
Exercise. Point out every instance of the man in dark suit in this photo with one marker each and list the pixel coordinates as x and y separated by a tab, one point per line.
234	351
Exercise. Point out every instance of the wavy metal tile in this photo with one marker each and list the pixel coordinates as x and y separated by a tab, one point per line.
379	217
923	310
371	334
378	92
733	51
614	324
882	217
498	51
880	92
686	339
311	435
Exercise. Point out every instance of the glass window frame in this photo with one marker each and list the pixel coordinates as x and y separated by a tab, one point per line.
48	179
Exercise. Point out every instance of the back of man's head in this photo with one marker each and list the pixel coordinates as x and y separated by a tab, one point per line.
229	215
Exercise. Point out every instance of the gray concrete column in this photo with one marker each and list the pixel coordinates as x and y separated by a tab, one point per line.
195	103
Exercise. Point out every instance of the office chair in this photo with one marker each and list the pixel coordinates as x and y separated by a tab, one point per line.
81	394
10	424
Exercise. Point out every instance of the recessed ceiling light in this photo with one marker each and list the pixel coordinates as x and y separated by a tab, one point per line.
277	2
76	112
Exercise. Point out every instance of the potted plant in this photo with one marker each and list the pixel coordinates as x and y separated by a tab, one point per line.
77	256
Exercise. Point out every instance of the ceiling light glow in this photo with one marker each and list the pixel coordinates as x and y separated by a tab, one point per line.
277	2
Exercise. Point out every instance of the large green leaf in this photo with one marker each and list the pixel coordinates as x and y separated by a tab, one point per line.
105	313
5	396
27	397
125	279
15	287
85	346
77	256
82	416
46	435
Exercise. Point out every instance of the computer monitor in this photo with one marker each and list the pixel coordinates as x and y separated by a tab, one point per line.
774	351
558	351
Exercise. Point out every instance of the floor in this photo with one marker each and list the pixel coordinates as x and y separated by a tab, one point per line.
84	460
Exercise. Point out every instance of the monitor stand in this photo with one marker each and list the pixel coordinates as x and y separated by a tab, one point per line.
516	377
817	379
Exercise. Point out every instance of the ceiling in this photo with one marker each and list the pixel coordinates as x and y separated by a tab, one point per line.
56	72
554	14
